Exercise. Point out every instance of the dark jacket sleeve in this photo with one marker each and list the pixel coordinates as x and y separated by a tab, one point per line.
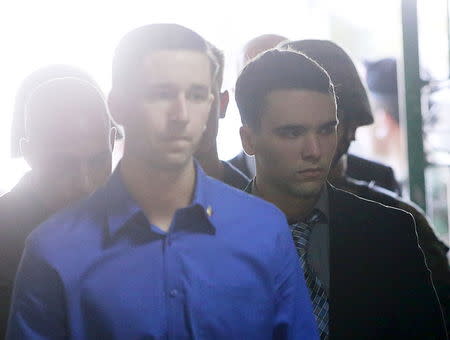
418	311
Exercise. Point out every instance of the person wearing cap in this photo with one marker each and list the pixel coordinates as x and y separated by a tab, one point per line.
162	250
67	142
386	134
365	271
353	106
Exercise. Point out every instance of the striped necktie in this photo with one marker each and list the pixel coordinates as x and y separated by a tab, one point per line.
301	232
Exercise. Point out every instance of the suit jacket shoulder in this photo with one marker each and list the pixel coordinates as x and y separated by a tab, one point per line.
371	171
378	274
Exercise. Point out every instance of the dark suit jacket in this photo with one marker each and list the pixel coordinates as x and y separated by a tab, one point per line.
370	171
20	212
380	287
239	162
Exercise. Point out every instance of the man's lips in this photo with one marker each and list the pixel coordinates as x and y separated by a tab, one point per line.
312	173
177	139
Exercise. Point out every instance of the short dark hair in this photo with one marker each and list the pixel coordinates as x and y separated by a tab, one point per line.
138	43
276	70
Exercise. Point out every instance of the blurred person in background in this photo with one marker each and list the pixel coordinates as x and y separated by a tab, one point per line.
30	83
67	142
386	136
206	153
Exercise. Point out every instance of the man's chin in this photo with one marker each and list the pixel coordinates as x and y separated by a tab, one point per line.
308	191
174	162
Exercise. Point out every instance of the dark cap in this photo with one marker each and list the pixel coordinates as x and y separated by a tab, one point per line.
382	76
352	101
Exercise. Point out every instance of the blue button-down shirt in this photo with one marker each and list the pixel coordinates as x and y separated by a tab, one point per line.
226	269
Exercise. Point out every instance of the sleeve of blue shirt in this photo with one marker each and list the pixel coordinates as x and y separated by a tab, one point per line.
294	317
37	310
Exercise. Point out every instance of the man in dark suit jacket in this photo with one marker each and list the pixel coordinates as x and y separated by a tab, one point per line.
366	281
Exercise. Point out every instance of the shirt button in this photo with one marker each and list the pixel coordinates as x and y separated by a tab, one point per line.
173	292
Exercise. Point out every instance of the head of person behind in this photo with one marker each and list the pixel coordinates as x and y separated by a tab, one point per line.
353	107
257	46
386	133
28	85
288	111
161	94
208	145
68	140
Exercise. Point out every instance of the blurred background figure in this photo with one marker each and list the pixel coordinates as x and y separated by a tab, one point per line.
30	83
67	142
262	43
207	153
385	137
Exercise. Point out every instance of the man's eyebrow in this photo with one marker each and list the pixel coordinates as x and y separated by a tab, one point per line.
160	85
199	87
290	126
333	122
171	86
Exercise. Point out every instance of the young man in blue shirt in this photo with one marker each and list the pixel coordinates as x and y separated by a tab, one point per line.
162	251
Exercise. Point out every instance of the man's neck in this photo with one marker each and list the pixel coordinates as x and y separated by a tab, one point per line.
294	207
159	192
211	163
37	187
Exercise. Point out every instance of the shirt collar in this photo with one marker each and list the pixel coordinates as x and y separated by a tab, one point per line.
322	205
121	206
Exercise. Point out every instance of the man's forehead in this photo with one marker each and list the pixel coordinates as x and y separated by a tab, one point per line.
172	65
299	107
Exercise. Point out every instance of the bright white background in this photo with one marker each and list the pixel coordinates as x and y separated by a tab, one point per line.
84	33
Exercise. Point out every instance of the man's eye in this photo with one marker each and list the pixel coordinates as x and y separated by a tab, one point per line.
162	94
328	130
197	95
290	132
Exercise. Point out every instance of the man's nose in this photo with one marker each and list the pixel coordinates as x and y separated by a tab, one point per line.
179	112
311	147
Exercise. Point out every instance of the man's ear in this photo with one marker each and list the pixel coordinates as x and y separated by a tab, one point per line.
248	140
224	100
112	137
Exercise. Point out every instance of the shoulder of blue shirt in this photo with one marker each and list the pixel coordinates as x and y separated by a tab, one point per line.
230	205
